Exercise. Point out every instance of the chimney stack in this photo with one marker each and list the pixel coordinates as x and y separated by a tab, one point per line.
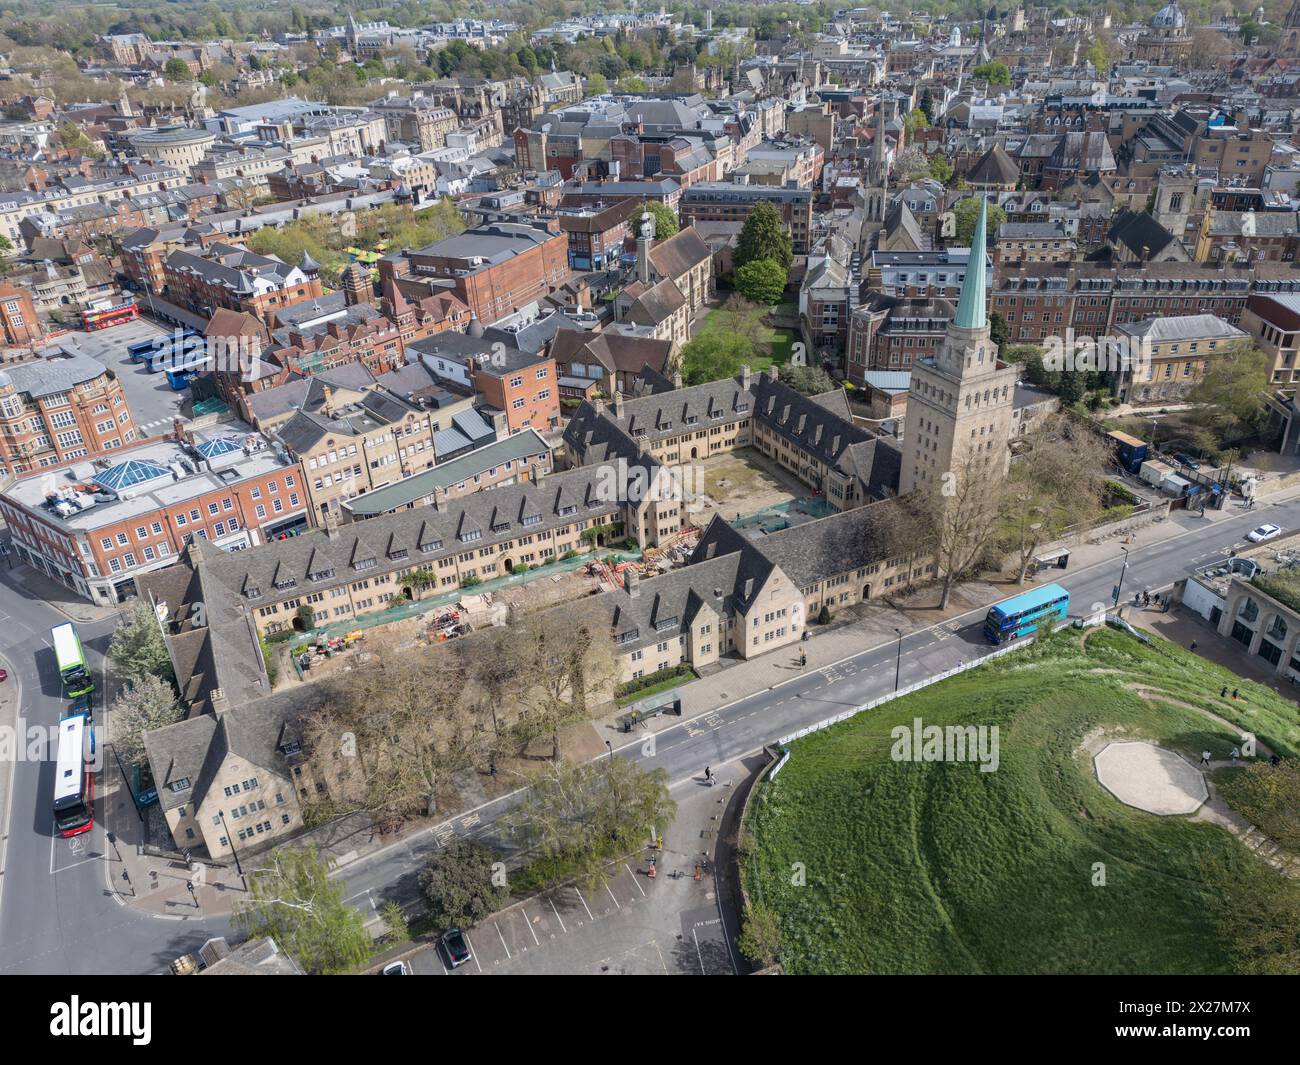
618	403
744	377
331	523
630	582
677	378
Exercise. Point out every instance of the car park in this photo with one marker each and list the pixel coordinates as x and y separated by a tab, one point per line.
456	947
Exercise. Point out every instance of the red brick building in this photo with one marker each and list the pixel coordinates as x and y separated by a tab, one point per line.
18	316
227	275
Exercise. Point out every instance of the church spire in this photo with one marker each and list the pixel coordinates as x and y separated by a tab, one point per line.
971	312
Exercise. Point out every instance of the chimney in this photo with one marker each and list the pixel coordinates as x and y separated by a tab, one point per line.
677	378
630	582
772	372
217	697
331	523
618	403
744	376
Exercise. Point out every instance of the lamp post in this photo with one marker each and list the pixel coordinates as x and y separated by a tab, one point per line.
611	749
898	659
231	840
1119	587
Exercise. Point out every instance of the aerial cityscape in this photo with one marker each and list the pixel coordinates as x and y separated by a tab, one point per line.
734	488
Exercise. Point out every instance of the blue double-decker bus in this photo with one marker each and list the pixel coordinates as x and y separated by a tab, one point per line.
1021	615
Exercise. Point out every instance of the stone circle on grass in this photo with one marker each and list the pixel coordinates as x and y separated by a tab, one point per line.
1150	778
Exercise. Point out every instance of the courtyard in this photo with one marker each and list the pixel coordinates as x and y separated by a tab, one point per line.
749	490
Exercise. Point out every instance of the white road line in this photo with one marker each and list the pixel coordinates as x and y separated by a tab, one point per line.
529	925
503	940
634	879
698	953
584	903
611	895
473	953
557	915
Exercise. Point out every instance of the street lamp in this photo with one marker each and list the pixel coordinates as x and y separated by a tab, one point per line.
898	659
1119	587
611	749
230	838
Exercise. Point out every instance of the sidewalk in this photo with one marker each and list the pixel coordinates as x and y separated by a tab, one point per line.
35	585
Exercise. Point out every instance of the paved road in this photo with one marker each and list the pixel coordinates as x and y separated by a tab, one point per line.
56	914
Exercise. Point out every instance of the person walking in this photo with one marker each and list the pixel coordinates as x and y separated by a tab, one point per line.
1205	758
1235	755
1234	693
1224	693
1192	646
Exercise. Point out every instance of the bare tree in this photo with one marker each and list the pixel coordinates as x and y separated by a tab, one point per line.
147	705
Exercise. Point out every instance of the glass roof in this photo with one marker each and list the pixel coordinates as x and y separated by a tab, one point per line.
221	445
130	473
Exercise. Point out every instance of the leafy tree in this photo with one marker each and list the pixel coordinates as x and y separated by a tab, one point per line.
763	236
810	380
147	704
597	85
967	213
293	900
399	930
760	934
585	815
666	224
762	280
940	169
994	73
632	84
999	330
177	70
1231	397
714	356
137	649
456	884
916	119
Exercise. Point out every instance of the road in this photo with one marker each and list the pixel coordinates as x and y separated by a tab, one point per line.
56	914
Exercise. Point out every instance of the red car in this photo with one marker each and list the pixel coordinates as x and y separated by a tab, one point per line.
4	674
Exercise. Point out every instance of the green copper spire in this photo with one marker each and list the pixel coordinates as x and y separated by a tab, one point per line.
971	313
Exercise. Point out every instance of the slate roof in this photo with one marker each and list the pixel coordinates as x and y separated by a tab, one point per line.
994	167
1136	230
677	254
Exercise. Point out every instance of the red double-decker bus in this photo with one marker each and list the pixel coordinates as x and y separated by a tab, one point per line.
74	782
106	317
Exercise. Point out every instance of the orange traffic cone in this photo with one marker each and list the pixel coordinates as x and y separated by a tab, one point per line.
697	870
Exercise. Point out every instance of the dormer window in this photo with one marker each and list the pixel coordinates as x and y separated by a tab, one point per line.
569	508
471	534
180	785
253	592
365	563
432	545
321	574
532	519
398	555
501	526
287	582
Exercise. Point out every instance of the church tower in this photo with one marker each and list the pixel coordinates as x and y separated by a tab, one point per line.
1291	30
877	191
959	403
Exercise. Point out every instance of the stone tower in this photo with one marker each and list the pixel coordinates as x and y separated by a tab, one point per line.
877	191
959	402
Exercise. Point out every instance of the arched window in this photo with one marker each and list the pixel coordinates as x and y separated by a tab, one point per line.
1249	610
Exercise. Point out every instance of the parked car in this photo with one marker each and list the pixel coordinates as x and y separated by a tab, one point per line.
456	947
1187	461
1264	532
396	968
4	674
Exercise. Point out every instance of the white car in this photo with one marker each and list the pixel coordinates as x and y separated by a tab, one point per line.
1264	532
396	968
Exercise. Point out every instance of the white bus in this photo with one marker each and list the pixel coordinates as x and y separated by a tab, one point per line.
74	781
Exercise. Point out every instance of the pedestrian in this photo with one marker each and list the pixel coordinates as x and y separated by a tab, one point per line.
1192	646
1235	754
1274	760
1234	693
1224	693
1205	758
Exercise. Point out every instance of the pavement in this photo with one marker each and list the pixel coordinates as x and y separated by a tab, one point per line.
1150	778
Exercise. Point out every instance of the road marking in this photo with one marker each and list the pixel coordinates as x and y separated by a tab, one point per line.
584	903
529	925
611	895
557	915
473	953
634	879
503	940
698	953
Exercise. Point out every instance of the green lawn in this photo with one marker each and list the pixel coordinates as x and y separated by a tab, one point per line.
941	868
779	341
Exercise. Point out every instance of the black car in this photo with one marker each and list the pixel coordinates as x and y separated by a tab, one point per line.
456	947
1187	461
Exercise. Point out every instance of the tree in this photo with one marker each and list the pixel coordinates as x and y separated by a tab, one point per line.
148	704
585	815
596	84
940	169
810	380
999	330
760	934
714	356
994	73
956	516
967	213
632	84
456	884
762	280
916	119
399	930
911	164
294	901
177	70
1232	396
1101	52
1055	484
763	236
665	218
566	665
138	650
